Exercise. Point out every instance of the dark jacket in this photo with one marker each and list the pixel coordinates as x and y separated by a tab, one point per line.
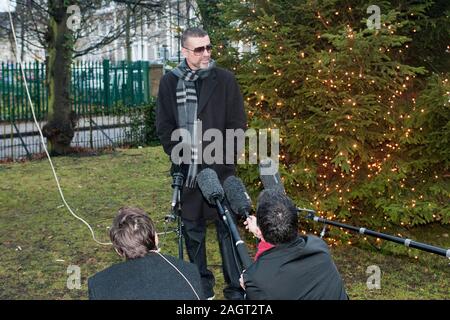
146	278
300	270
221	107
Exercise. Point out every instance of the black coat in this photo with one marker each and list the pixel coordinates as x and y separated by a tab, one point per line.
221	107
146	278
300	270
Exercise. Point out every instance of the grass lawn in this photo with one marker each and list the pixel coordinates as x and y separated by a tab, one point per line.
39	239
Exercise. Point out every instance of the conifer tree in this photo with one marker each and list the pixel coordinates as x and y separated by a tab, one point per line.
363	120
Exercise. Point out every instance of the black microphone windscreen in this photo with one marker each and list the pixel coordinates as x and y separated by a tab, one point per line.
237	195
210	186
270	181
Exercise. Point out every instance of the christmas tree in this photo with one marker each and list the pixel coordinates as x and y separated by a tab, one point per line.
361	99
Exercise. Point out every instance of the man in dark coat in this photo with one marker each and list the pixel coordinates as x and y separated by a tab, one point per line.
296	267
198	92
146	274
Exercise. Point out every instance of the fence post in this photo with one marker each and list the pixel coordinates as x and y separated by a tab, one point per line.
124	85
37	93
4	96
45	88
156	71
146	79
130	83
139	83
106	80
14	92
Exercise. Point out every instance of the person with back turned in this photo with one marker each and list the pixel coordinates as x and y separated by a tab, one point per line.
290	266
145	274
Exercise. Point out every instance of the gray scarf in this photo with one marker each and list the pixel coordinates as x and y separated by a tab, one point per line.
187	106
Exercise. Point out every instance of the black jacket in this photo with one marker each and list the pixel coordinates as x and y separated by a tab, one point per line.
220	107
300	270
147	278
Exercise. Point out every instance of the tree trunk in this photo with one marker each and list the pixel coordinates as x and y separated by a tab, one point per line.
59	129
22	39
128	34
188	18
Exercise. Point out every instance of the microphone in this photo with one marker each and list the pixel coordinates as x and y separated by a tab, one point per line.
237	196
209	185
270	181
177	185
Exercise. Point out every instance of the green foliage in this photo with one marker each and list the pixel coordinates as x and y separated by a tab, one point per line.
364	124
141	130
211	14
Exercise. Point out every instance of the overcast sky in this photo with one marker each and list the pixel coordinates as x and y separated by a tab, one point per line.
3	5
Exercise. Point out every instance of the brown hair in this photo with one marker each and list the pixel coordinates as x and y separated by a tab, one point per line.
133	233
193	32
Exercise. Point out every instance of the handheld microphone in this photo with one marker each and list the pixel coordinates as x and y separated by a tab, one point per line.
270	181
237	196
209	185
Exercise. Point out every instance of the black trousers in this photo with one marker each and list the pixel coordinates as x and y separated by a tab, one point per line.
195	235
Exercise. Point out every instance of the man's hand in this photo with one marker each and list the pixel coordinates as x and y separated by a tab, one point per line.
250	225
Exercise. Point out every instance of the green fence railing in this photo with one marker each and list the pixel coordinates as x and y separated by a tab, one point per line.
96	88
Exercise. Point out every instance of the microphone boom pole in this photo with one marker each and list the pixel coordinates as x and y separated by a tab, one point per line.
175	212
240	245
407	242
274	182
212	190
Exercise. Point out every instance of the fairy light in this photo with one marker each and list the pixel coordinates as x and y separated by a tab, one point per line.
354	82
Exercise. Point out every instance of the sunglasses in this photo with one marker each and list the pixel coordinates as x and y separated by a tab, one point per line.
199	50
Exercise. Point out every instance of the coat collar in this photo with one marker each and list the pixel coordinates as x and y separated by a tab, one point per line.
208	86
295	246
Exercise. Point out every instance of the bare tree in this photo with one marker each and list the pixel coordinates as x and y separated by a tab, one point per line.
48	24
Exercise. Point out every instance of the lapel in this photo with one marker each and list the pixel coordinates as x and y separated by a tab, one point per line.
208	86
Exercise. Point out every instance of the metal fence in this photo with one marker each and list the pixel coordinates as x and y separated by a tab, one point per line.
111	102
97	87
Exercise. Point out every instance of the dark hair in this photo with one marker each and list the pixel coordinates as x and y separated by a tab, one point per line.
276	216
194	32
133	233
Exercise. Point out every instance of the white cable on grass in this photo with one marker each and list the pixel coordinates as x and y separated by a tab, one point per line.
40	132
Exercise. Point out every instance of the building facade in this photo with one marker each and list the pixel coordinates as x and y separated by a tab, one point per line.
153	37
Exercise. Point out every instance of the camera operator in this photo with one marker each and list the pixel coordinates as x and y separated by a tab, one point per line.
299	267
